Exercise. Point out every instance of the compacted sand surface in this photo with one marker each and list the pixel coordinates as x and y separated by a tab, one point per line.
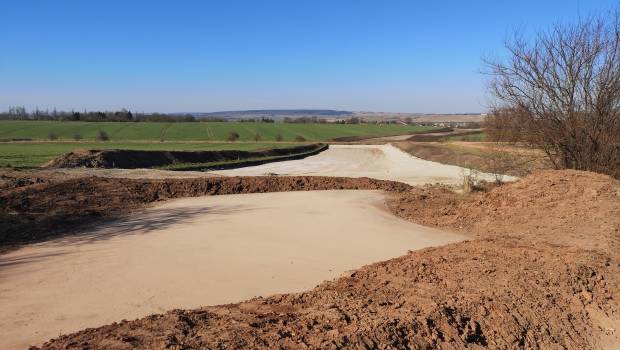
191	252
542	272
384	162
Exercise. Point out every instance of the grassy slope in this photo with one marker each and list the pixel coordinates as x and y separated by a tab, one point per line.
40	130
469	138
28	154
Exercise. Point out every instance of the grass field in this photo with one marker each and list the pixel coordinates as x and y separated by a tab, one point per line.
41	130
30	154
469	138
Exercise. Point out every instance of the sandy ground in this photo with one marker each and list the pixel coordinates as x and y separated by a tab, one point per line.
384	162
197	251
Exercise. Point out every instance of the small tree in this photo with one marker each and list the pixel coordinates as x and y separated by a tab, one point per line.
300	138
103	136
564	88
257	137
232	136
52	136
279	138
77	137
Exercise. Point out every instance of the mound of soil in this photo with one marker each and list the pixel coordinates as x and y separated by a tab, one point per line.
532	279
134	159
468	295
566	207
35	208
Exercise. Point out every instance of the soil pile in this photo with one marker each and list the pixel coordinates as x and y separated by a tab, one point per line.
468	295
532	280
567	207
134	159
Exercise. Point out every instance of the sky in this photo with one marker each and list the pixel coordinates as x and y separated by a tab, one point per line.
203	56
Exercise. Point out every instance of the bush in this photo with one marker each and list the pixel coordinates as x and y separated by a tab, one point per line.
559	92
52	136
300	138
103	136
279	138
257	137
232	136
77	137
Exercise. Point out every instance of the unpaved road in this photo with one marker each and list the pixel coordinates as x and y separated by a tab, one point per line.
197	251
384	162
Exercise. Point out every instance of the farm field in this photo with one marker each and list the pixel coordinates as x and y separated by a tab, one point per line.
195	131
32	154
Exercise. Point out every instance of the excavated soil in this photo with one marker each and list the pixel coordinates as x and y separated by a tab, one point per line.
542	271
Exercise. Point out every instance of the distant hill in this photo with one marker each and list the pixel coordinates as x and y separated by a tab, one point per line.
275	113
279	114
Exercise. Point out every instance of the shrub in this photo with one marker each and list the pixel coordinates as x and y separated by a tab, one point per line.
77	137
103	136
559	92
279	137
300	138
257	137
232	136
52	136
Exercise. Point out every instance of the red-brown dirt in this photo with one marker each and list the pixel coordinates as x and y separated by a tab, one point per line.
542	271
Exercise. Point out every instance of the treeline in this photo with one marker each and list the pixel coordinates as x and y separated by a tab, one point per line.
123	115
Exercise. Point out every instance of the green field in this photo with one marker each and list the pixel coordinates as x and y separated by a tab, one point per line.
31	154
128	131
481	137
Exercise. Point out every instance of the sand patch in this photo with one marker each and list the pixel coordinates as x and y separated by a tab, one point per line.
197	251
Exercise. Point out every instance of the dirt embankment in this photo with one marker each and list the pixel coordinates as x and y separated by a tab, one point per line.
566	207
479	156
442	134
543	272
34	207
134	159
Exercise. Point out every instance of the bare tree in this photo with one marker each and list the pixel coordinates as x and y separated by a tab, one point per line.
564	86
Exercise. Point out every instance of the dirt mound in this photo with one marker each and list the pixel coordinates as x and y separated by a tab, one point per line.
468	295
40	210
134	159
543	273
566	207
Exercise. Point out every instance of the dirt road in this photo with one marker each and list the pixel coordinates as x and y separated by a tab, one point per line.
197	251
384	162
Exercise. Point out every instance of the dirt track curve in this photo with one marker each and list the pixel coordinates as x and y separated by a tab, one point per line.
384	162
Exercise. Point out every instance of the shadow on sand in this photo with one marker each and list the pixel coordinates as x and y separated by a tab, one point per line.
141	223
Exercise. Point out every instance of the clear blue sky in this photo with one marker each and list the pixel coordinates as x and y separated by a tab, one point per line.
394	56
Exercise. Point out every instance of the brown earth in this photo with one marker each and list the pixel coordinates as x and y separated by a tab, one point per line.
542	271
482	156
